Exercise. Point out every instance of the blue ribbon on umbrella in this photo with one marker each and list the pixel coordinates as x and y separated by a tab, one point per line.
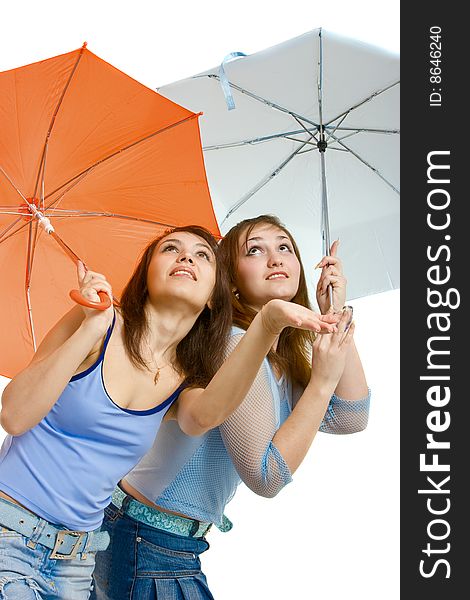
224	80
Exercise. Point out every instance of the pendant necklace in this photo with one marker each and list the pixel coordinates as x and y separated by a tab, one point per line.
156	377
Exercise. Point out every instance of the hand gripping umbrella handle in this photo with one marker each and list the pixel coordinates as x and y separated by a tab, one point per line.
79	299
105	301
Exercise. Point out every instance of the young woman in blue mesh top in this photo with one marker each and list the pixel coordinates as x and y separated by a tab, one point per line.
165	506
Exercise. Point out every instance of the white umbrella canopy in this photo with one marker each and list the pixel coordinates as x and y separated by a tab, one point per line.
263	156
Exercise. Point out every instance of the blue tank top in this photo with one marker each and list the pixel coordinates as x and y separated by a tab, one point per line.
66	467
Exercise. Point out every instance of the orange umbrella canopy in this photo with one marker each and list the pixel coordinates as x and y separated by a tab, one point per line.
108	161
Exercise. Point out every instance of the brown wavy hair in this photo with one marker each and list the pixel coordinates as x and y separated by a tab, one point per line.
292	354
198	354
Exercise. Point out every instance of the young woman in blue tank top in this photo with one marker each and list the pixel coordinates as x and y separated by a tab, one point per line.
163	509
88	406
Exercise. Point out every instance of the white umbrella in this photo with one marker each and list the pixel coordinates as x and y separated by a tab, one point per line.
268	156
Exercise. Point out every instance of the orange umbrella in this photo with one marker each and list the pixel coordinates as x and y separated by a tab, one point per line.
100	162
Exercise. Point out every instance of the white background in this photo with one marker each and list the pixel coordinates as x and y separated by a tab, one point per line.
334	532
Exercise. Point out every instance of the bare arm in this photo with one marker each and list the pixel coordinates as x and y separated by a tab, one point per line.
248	435
295	436
348	409
265	453
198	410
352	384
31	394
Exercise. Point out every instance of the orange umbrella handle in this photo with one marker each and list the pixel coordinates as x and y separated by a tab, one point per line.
79	299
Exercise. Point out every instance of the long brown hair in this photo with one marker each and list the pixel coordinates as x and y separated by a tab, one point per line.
292	354
198	354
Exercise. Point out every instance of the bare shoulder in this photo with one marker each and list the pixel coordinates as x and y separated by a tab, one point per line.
116	339
62	331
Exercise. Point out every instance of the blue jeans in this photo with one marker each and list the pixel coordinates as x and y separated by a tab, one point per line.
145	563
29	574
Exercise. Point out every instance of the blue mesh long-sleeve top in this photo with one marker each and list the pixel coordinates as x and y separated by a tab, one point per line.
198	476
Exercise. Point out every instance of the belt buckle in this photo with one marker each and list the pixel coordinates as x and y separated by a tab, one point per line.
80	535
202	530
208	528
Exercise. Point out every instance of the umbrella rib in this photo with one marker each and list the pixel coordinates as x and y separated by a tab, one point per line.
329	134
353	132
3	235
335	139
28	255
379	246
10	181
2	238
301	141
266	138
74	182
7	229
262	100
371	97
85	172
29	265
376	171
305	151
42	201
312	136
261	184
92	214
42	164
69	213
364	129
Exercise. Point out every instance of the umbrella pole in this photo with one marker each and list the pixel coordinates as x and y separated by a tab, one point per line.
105	301
325	216
324	206
322	146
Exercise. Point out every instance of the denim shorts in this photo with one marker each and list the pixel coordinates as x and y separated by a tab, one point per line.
145	563
28	573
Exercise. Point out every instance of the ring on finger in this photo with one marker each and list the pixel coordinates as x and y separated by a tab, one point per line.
351	310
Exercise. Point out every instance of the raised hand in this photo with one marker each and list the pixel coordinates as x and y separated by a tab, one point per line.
332	274
90	283
329	352
278	314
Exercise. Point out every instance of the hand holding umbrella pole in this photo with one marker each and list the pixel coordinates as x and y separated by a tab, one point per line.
105	301
331	286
